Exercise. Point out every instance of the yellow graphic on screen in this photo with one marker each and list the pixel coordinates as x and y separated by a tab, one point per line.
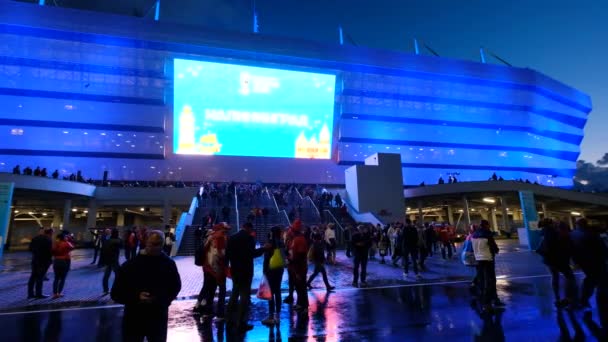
313	148
186	143
209	144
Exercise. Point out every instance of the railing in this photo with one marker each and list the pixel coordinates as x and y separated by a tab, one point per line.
313	212
281	212
236	210
185	220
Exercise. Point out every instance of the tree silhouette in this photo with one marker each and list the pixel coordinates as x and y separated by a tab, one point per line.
604	160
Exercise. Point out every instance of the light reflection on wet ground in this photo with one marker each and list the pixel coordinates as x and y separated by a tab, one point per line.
417	313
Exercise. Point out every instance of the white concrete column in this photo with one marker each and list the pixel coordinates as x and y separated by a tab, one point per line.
467	214
120	219
544	207
494	221
420	213
505	214
92	214
139	221
67	212
167	213
56	218
571	221
450	215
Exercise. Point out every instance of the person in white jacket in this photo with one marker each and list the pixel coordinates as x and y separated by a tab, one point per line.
330	240
485	249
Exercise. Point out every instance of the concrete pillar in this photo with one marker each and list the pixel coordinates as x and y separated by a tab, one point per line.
505	214
571	221
138	220
544	207
467	214
167	213
56	218
67	212
120	219
420	214
92	214
450	215
494	221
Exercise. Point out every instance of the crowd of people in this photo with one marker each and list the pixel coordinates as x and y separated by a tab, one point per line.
293	249
586	247
42	172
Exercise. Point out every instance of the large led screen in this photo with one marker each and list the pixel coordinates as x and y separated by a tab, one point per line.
238	110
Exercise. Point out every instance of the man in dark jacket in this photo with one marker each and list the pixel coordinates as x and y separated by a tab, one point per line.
146	285
40	247
240	253
590	253
410	248
361	241
111	255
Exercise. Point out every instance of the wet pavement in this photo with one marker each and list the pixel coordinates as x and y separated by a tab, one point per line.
409	313
83	284
391	309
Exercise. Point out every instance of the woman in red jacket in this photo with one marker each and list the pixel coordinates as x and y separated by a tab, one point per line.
61	261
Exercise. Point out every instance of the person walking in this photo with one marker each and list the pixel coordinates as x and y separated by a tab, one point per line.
298	265
485	249
169	241
111	256
240	253
383	246
398	248
423	247
146	285
41	247
97	241
591	254
274	266
318	258
215	271
361	244
330	241
556	249
61	261
410	248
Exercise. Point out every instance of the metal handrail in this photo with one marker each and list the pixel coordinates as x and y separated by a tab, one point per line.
185	220
303	198
280	212
236	209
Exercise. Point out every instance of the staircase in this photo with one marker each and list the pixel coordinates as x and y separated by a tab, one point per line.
188	245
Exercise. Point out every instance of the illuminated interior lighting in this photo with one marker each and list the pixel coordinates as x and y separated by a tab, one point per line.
45	214
30	213
489	200
74	210
16	211
575	213
142	209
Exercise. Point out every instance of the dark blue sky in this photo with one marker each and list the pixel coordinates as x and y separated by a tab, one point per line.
565	39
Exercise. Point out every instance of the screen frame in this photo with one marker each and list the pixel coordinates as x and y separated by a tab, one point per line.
170	91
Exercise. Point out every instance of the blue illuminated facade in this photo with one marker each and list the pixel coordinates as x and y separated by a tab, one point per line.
93	92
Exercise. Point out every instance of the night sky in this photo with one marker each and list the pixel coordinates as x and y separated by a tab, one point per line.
565	39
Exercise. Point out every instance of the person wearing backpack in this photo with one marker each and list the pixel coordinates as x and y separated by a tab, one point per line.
274	266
